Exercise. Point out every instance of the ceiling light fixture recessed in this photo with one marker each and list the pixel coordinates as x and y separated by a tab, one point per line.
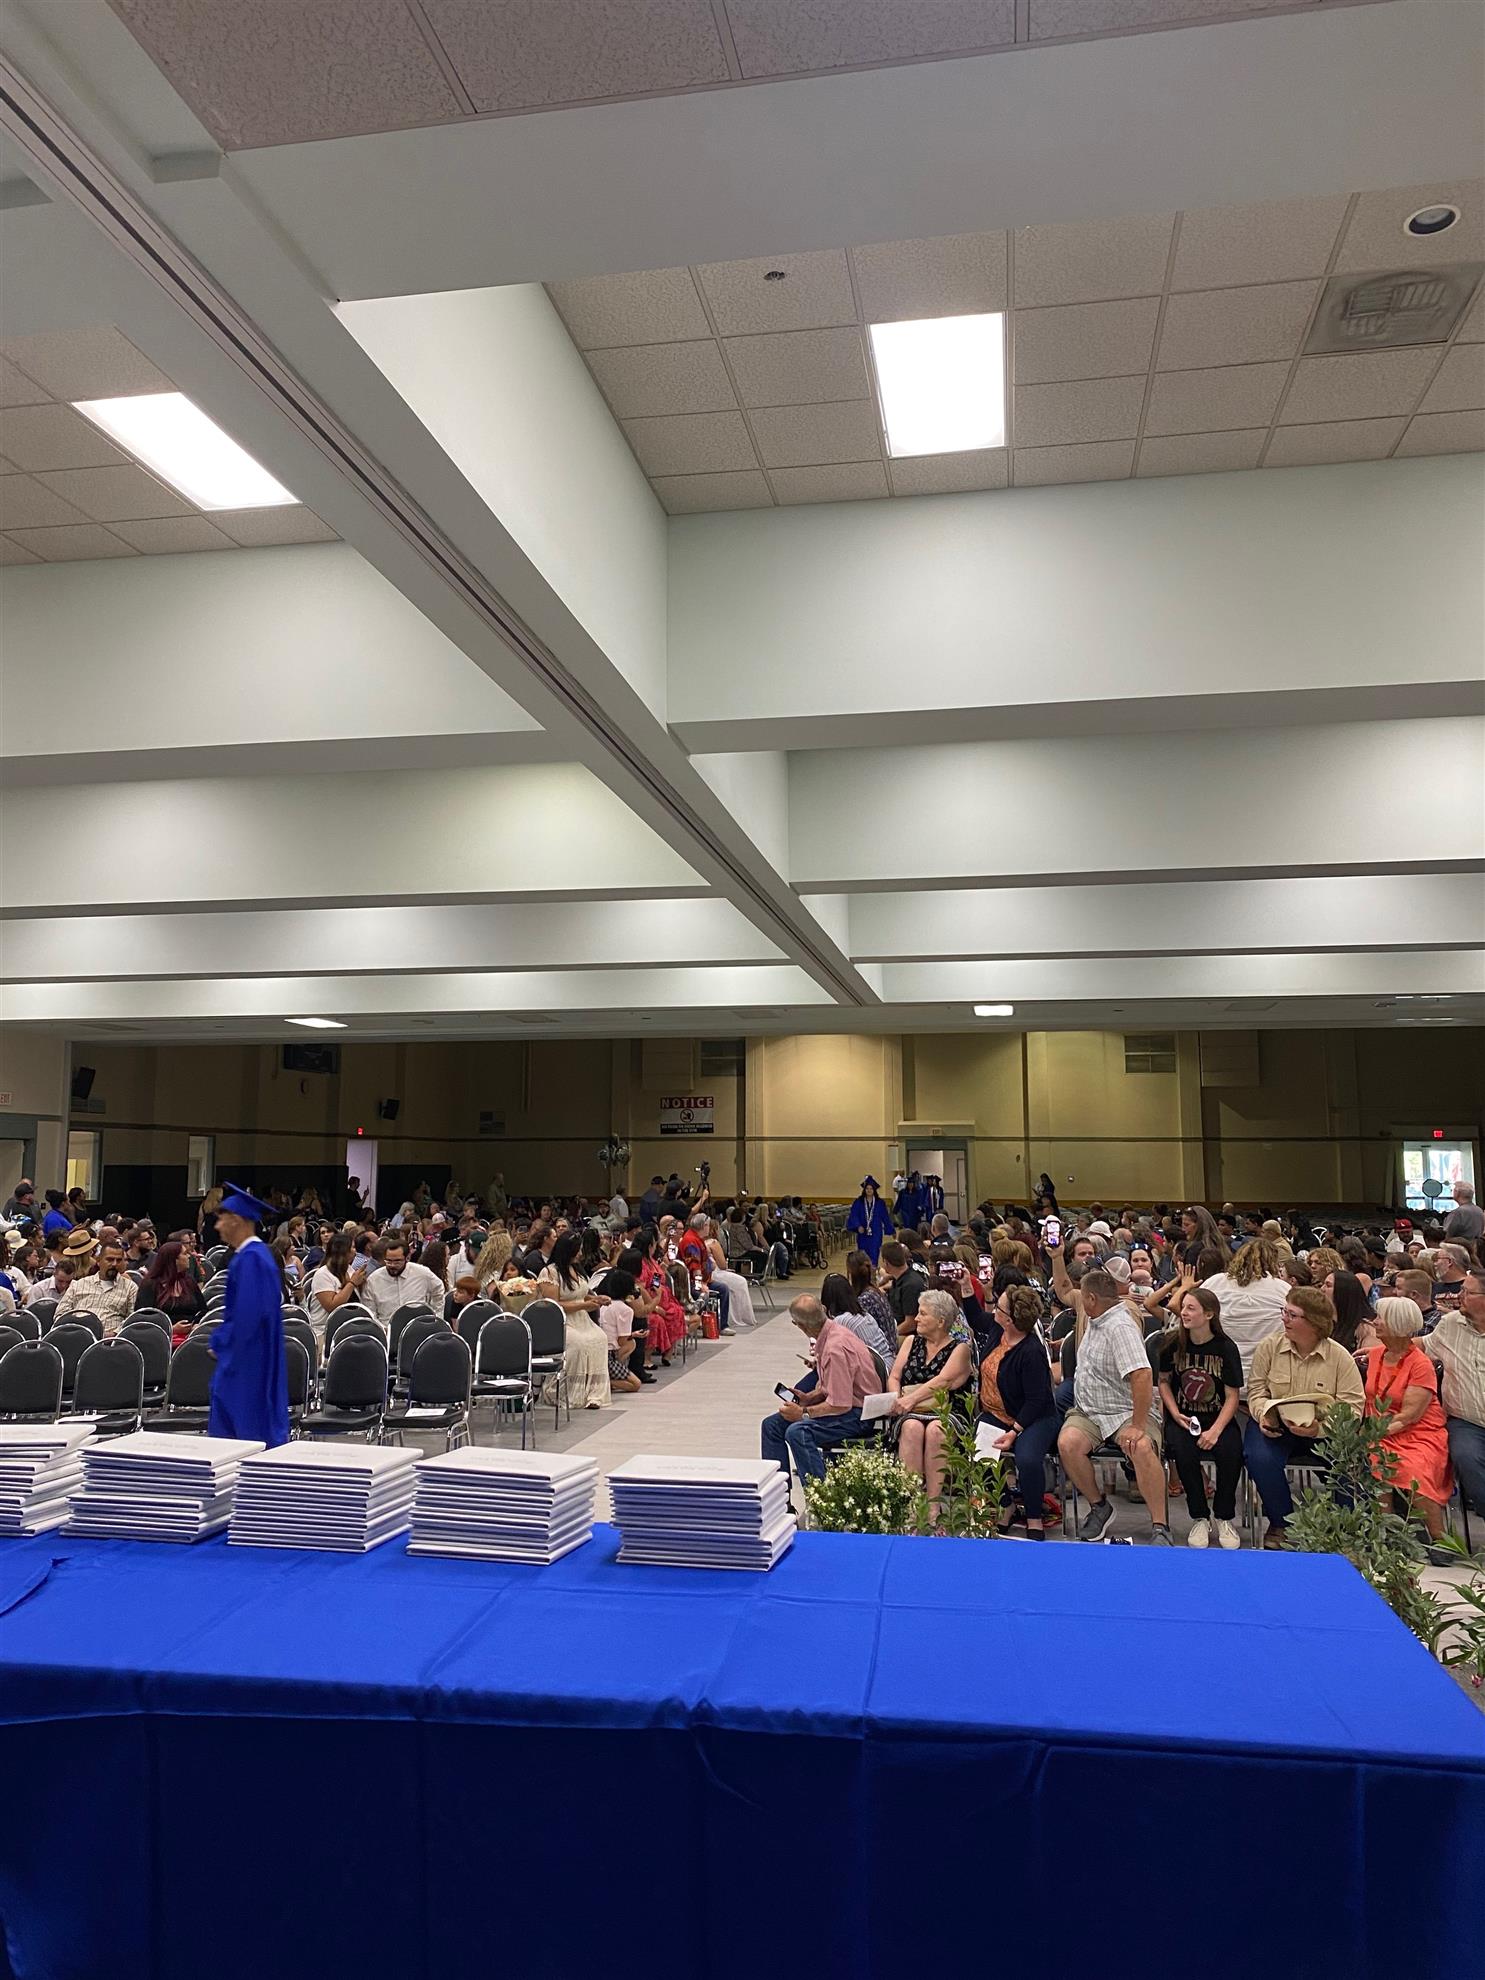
179	443
318	1024
1430	220
995	1010
942	383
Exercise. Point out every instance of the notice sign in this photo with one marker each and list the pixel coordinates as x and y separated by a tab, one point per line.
691	1114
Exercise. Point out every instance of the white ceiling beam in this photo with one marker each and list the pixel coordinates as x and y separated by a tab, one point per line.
383	940
1207	917
1225	806
1259	981
1249	599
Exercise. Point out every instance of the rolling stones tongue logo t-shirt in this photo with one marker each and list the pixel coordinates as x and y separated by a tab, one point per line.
1198	1376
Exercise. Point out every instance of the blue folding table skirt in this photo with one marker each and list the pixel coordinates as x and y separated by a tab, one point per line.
886	1758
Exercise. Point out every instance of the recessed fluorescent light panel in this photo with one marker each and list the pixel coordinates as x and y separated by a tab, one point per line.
176	439
995	1010
318	1024
942	381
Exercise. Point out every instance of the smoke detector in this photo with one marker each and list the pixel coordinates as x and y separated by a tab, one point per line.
1386	312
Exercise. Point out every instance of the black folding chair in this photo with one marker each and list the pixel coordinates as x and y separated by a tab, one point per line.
353	1395
89	1322
343	1316
187	1386
441	1386
31	1382
10	1337
472	1317
110	1387
502	1366
153	1314
297	1370
26	1324
411	1336
153	1343
547	1325
414	1310
72	1343
44	1312
300	1330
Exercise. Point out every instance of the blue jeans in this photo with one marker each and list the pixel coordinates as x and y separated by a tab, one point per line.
807	1441
724	1305
1467	1450
1029	1455
1266	1458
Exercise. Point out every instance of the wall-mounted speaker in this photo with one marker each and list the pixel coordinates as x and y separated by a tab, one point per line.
387	1110
82	1081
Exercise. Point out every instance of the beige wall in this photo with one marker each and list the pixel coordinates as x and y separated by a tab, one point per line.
812	1114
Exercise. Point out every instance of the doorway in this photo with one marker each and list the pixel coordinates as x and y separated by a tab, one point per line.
952	1164
1430	1171
12	1164
360	1162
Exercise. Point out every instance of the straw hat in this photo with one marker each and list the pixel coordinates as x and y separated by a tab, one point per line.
80	1244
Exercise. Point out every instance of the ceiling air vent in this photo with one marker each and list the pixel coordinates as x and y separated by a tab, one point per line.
1386	312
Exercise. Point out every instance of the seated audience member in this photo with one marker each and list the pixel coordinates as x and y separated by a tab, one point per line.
931	1361
1409	1283
1400	1375
739	1243
1353	1328
585	1366
106	1291
663	1315
840	1304
1199	1233
1250	1290
733	1290
616	1318
1201	1378
493	1256
337	1281
1297	1375
862	1274
52	1283
902	1286
1015	1389
829	1411
171	1287
1450	1263
1457	1345
464	1292
396	1282
1113	1392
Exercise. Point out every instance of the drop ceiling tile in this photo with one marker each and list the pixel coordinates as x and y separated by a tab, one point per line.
1333	440
1085	340
1273	240
116	494
951	474
1091	261
691	443
172	534
263	529
1235	326
799	367
16	389
37	437
815	293
813	436
1459	382
1360	385
28	504
72	543
1375	238
1201	453
520	54
657	306
1444	433
664	378
95	363
790	37
260	72
1472	330
14	553
954	275
861	481
1051	18
1039	467
1223	399
1061	415
699	494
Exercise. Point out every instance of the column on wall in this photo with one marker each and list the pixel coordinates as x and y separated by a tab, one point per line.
1343	1109
1198	1178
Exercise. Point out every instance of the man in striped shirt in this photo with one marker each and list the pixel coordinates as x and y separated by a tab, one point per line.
1457	1344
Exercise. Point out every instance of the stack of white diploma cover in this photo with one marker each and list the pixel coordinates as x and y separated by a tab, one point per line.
503	1505
156	1486
40	1467
702	1512
340	1498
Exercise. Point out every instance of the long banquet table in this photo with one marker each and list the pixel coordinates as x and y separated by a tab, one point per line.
886	1757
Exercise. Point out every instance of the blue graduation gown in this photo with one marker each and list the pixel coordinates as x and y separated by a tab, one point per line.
872	1225
911	1206
933	1199
250	1384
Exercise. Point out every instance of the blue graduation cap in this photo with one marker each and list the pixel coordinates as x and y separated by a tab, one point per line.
874	1183
240	1202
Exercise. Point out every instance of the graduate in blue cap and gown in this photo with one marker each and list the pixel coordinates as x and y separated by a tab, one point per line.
870	1220
250	1384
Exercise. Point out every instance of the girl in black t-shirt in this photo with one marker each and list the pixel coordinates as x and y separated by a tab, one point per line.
1201	1374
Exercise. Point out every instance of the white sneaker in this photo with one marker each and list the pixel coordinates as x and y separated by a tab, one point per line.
1200	1533
1227	1535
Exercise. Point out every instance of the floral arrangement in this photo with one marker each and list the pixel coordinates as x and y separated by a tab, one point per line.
865	1490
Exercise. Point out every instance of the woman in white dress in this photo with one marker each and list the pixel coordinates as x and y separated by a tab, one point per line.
586	1362
739	1294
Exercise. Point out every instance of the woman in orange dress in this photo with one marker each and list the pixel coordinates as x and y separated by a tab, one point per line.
1398	1371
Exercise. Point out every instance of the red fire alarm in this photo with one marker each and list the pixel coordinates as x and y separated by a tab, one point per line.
1438	1134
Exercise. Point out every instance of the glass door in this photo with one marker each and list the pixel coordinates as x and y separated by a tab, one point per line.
1430	1171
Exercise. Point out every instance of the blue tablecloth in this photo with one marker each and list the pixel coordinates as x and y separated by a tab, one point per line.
226	1764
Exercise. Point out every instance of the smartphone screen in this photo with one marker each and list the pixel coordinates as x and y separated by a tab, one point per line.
674	1252
783	1392
949	1272
987	1264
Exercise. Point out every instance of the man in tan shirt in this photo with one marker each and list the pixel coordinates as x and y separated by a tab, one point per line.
107	1291
1297	1375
